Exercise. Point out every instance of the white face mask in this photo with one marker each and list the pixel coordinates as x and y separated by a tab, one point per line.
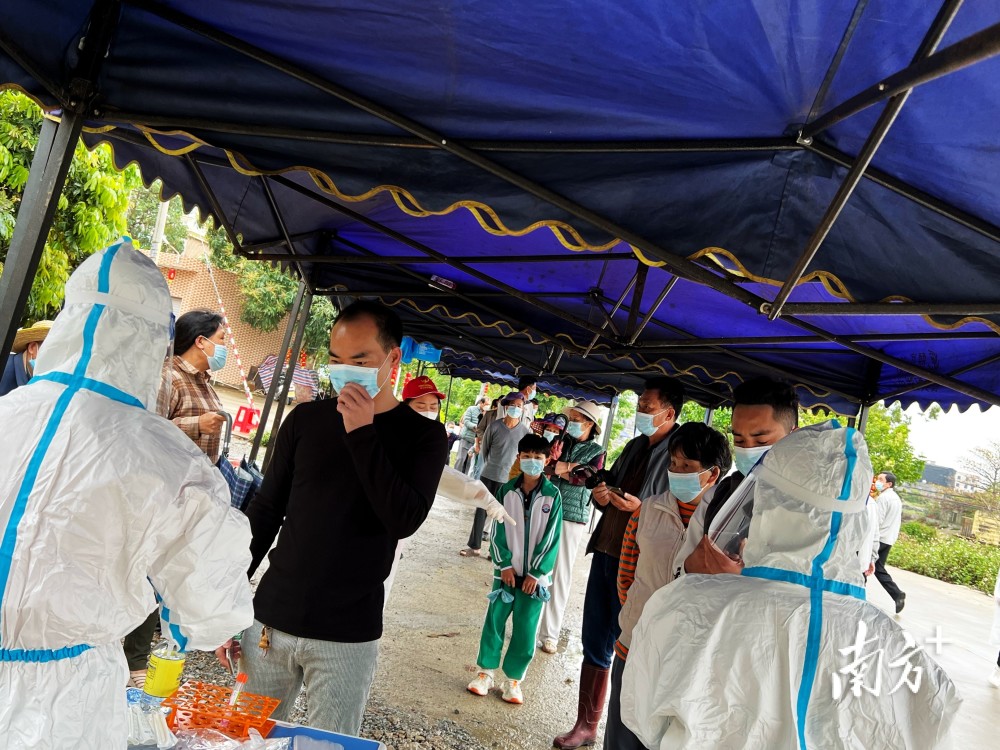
746	458
429	414
366	377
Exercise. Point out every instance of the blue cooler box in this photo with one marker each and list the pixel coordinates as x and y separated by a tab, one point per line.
281	729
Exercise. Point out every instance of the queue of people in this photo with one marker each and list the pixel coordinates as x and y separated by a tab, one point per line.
151	523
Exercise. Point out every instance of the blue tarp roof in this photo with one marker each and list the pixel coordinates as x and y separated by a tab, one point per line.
609	105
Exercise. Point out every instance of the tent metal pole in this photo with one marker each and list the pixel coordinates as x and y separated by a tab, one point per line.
908	367
750	361
709	413
918	196
862	421
612	413
50	164
694	145
400	260
838	309
678	265
451	381
279	219
652	311
633	315
49	167
954	373
293	359
251	251
407	293
831	72
975	48
609	316
863	159
273	389
423	279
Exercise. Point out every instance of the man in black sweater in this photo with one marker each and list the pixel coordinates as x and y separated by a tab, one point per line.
347	480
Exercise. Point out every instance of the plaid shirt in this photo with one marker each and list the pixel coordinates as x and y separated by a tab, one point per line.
191	395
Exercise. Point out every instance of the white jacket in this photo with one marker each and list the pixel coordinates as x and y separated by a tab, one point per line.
749	661
890	516
101	503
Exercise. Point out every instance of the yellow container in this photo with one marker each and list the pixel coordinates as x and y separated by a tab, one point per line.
163	674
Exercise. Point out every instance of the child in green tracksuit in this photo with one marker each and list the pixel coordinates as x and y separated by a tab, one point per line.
524	556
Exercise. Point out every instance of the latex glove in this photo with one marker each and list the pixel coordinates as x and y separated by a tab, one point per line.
496	512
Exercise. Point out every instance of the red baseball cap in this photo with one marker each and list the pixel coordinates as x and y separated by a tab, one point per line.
420	387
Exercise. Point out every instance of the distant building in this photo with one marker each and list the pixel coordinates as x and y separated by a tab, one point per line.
966	482
939	475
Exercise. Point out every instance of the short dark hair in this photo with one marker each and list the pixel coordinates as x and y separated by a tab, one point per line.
670	391
390	327
483	400
494	403
765	391
192	325
699	442
889	477
526	380
532	443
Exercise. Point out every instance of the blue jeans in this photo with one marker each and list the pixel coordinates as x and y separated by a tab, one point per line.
600	612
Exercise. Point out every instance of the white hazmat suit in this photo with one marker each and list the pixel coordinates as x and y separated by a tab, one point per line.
101	503
754	660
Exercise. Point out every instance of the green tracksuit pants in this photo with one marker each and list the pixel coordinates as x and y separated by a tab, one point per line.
527	612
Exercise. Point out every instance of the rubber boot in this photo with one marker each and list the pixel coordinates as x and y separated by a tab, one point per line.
593	692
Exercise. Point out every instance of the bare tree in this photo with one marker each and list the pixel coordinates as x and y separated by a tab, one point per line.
984	464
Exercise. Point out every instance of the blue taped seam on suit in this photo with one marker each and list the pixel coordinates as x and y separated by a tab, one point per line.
41	654
816	584
38	456
89	384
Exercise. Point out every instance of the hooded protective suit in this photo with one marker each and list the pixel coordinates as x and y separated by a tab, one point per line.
753	661
101	503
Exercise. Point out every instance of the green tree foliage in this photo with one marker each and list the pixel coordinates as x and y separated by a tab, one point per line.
92	209
144	204
947	558
888	437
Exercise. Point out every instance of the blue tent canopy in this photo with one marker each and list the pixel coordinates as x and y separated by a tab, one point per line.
698	141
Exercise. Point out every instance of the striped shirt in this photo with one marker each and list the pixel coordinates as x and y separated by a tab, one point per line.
191	395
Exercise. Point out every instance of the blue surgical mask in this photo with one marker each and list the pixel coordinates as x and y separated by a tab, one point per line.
550	436
31	364
879	486
514	412
644	423
685	487
218	359
746	458
532	467
366	377
574	429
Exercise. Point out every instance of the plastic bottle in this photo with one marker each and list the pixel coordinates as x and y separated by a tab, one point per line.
163	674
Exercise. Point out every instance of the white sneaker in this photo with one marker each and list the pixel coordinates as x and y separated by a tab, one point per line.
550	646
482	684
512	692
995	677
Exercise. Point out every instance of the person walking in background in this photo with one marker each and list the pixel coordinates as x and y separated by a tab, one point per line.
498	453
467	436
579	448
194	406
890	516
641	470
524	557
526	386
20	364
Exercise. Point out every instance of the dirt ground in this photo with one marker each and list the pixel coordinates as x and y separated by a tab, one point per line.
432	627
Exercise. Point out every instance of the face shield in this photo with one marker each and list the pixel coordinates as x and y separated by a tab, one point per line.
165	392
